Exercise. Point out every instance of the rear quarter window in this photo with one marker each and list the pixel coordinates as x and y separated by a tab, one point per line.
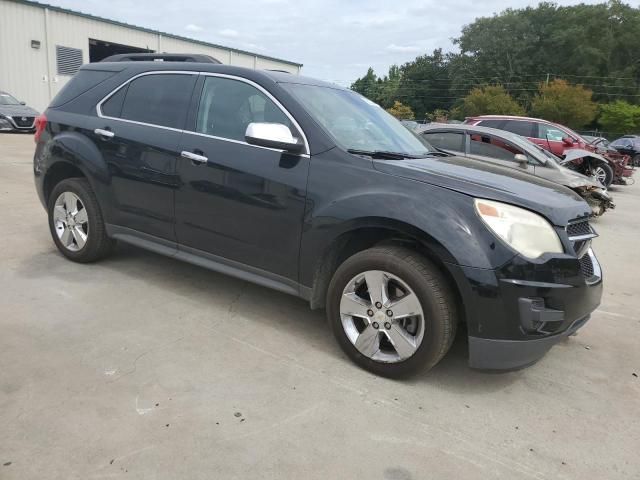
81	82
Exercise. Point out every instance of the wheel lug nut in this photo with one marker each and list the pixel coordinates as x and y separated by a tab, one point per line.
387	325
389	313
370	313
375	325
378	305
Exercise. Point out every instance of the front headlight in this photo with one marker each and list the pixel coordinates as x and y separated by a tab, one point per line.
526	232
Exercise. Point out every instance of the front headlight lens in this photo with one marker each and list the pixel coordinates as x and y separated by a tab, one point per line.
526	232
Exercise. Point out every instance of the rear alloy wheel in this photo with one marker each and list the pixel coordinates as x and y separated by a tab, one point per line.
603	173
76	223
391	311
71	221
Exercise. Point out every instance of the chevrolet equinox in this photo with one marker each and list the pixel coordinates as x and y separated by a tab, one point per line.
313	190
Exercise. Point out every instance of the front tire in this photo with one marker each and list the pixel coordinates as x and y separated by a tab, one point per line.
603	173
392	311
76	223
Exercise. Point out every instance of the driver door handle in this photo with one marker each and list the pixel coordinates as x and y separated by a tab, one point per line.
104	133
194	157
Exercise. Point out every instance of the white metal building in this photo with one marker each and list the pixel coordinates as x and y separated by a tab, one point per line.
42	46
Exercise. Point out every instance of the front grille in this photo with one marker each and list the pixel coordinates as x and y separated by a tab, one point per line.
23	122
586	266
579	228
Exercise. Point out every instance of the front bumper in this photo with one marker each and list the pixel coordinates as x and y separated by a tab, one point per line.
515	314
9	124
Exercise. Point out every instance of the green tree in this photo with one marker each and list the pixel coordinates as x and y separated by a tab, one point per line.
563	103
401	111
490	100
425	83
619	117
367	85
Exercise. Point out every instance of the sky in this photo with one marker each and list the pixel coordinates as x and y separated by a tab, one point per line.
335	40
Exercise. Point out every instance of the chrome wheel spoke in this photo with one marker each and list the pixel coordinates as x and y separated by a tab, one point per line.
70	202
368	342
81	216
67	237
377	286
402	342
407	306
353	305
79	236
59	213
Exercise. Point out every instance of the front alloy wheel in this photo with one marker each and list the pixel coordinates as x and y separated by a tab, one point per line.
382	316
392	310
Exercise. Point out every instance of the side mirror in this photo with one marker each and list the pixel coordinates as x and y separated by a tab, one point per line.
567	140
522	160
272	135
23	103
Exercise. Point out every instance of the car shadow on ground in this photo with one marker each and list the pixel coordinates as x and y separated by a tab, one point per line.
205	289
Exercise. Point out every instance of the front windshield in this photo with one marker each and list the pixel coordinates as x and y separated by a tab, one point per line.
6	99
356	123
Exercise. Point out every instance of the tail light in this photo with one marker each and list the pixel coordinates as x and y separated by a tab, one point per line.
41	124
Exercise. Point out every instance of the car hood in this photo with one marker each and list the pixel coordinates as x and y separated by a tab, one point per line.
575	153
484	180
17	111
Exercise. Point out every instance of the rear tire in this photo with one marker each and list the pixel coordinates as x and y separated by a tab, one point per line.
76	223
402	270
604	173
635	161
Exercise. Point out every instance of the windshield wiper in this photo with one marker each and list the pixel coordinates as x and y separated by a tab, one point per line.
381	154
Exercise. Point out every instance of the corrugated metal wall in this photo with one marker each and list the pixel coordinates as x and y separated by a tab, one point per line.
30	74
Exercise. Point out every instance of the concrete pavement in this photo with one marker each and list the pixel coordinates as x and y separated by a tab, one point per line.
144	367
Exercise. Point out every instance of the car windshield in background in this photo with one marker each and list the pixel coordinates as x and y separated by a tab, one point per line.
358	124
6	99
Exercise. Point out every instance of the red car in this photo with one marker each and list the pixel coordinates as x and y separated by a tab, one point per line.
559	140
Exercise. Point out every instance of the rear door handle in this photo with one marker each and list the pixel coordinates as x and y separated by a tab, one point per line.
104	133
194	157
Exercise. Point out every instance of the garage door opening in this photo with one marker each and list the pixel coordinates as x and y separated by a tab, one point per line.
99	49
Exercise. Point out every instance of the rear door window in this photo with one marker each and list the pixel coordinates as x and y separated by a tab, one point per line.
493	147
157	99
453	141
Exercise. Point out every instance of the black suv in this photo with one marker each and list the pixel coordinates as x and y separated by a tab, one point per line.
315	191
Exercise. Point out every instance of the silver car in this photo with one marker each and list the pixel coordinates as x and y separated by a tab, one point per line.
15	116
513	151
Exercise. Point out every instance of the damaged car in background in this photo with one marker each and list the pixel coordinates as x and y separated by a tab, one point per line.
511	150
607	168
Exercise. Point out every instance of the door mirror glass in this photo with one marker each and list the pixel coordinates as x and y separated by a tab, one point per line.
272	135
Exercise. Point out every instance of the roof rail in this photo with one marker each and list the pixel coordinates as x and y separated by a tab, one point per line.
276	70
161	57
